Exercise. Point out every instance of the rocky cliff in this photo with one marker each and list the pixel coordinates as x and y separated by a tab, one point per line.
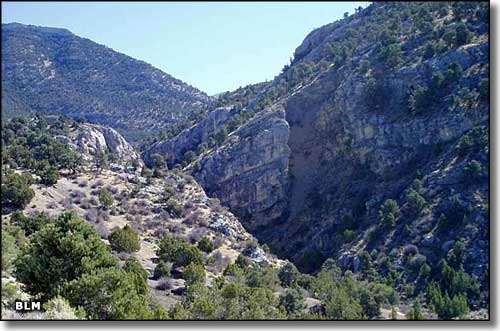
369	106
248	172
88	139
173	150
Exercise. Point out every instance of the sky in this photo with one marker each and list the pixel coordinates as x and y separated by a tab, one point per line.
215	46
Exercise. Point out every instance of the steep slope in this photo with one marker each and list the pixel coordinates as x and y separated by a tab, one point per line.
170	205
397	92
51	70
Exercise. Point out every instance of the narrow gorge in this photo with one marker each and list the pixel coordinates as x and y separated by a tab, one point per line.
302	164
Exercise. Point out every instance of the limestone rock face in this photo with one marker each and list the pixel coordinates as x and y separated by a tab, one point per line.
348	156
89	138
389	136
248	172
173	150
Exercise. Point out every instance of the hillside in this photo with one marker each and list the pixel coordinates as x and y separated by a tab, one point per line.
371	147
49	70
166	204
354	185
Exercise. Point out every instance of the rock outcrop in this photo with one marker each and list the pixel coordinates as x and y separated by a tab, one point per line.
248	172
90	138
173	150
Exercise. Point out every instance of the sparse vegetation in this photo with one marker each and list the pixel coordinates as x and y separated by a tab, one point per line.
391	181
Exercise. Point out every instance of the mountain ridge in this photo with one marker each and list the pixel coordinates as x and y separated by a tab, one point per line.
53	70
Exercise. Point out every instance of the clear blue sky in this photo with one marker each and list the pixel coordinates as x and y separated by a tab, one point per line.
215	47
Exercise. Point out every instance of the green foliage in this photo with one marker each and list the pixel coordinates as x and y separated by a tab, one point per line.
366	264
339	54
265	277
341	306
375	93
450	298
133	266
348	235
146	172
162	269
364	66
111	293
293	301
459	282
200	302
450	37
168	192
419	100
248	290
387	37
416	202
125	239
101	159
456	256
415	313
158	161
289	275
310	260
61	251
48	173
463	10
391	55
231	270
425	270
423	97
29	224
174	207
453	215
16	191
462	34
472	171
484	88
220	135
189	156
30	144
388	213
443	305
194	274
59	308
454	72
242	261
348	298
231	302
429	50
473	141
105	198
206	245
409	290
10	249
180	253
